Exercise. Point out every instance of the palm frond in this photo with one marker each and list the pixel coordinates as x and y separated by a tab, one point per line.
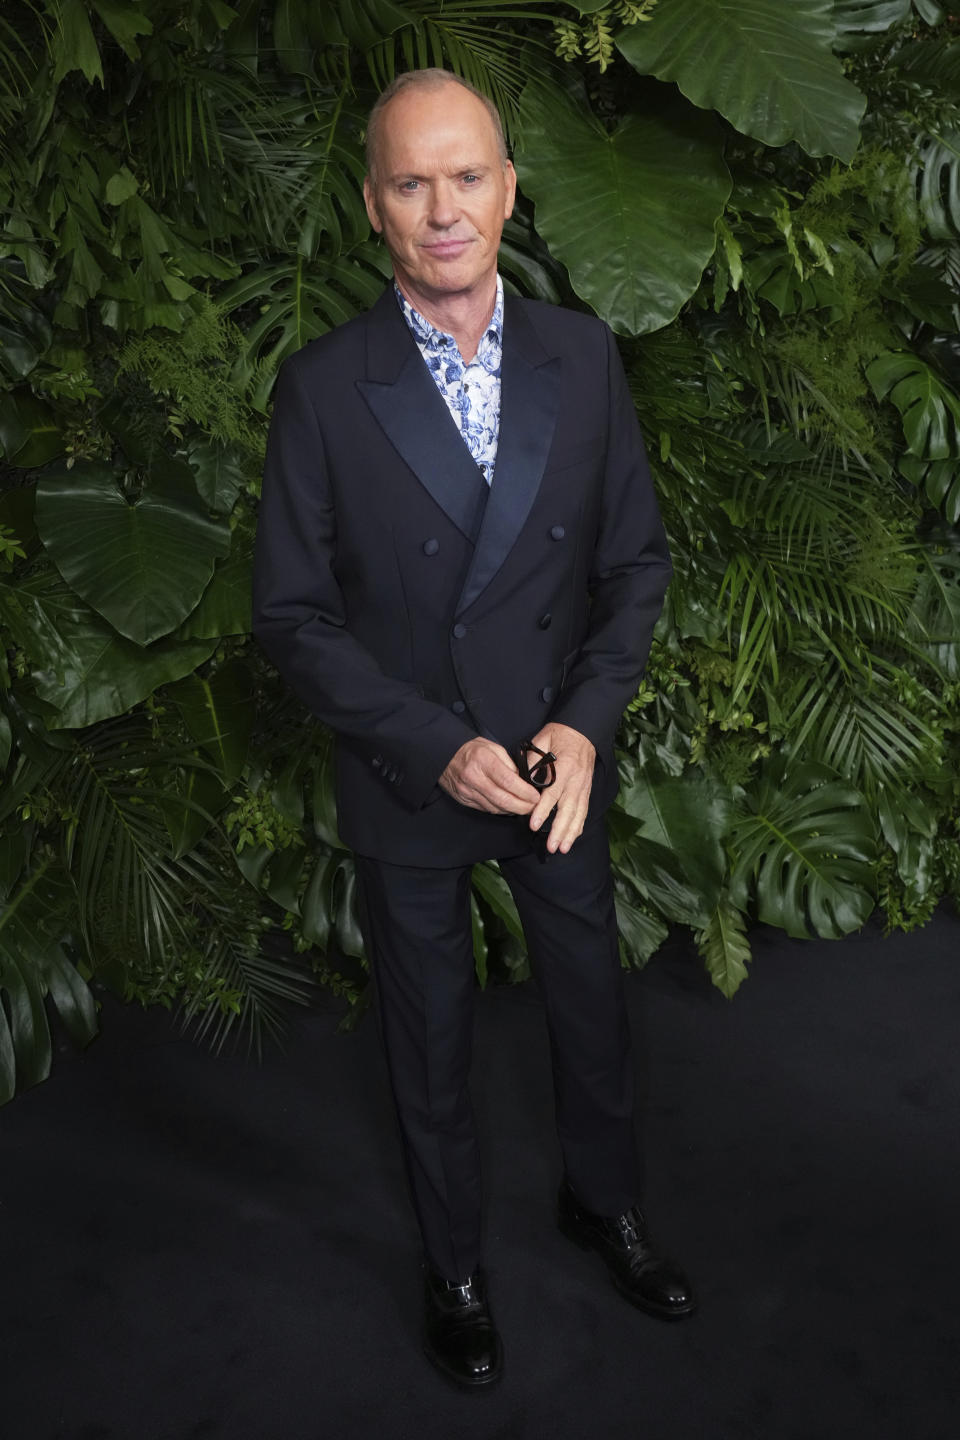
19	60
779	589
859	726
487	42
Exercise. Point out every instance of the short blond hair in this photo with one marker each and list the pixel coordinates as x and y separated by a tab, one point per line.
431	79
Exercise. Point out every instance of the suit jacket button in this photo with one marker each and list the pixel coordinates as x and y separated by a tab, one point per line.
458	707
557	532
377	761
544	621
430	547
546	693
459	631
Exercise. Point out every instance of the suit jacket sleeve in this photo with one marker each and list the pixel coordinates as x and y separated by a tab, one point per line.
300	617
629	575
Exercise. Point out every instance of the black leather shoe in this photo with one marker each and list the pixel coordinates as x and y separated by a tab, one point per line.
639	1273
459	1334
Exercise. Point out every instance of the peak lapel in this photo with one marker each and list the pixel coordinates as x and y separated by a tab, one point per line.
529	402
407	405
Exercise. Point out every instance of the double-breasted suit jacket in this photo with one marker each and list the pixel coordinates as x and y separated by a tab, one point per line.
412	609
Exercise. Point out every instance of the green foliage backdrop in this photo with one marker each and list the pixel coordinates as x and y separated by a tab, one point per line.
761	197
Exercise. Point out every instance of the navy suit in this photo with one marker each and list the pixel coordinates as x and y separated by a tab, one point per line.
412	609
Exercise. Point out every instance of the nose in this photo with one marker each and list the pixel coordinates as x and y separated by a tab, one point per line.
444	210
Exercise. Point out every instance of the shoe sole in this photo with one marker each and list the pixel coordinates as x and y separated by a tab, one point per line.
567	1229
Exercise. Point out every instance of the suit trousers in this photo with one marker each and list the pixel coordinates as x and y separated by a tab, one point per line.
417	928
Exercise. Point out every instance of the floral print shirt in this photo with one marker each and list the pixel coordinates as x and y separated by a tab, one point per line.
472	392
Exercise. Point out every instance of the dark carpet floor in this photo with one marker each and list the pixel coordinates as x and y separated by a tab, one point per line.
198	1247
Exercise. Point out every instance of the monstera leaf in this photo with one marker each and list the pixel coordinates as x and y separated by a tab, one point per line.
631	213
936	171
295	300
941	481
809	846
766	66
328	909
929	409
142	566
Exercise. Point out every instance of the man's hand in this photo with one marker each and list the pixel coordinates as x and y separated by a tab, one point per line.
571	791
482	776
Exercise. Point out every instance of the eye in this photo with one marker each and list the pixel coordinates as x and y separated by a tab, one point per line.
470	178
409	186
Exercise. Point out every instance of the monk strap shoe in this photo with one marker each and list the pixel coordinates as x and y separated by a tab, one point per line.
640	1274
460	1337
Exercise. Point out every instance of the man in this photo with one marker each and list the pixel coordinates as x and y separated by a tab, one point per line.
460	555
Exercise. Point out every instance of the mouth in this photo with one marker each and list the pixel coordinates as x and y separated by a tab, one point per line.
446	249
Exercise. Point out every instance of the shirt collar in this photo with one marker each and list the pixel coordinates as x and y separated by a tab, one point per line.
428	335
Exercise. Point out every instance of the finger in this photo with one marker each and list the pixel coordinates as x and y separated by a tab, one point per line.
498	787
515	800
547	801
568	823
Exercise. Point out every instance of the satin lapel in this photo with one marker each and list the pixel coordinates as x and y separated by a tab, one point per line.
530	398
407	405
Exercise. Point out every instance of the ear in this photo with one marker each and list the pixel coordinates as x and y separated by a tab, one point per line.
370	201
510	183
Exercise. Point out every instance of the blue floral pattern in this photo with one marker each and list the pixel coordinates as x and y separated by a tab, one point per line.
471	392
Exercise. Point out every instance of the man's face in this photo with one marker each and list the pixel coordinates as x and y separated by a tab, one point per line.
442	192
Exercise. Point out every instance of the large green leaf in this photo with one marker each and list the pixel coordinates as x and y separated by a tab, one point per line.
859	22
489	883
641	935
725	948
78	664
29	433
218	712
324	800
32	967
929	408
303	30
655	871
809	846
631	213
226	605
689	816
125	21
765	65
328	907
142	566
936	172
73	45
190	809
6	741
221	471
